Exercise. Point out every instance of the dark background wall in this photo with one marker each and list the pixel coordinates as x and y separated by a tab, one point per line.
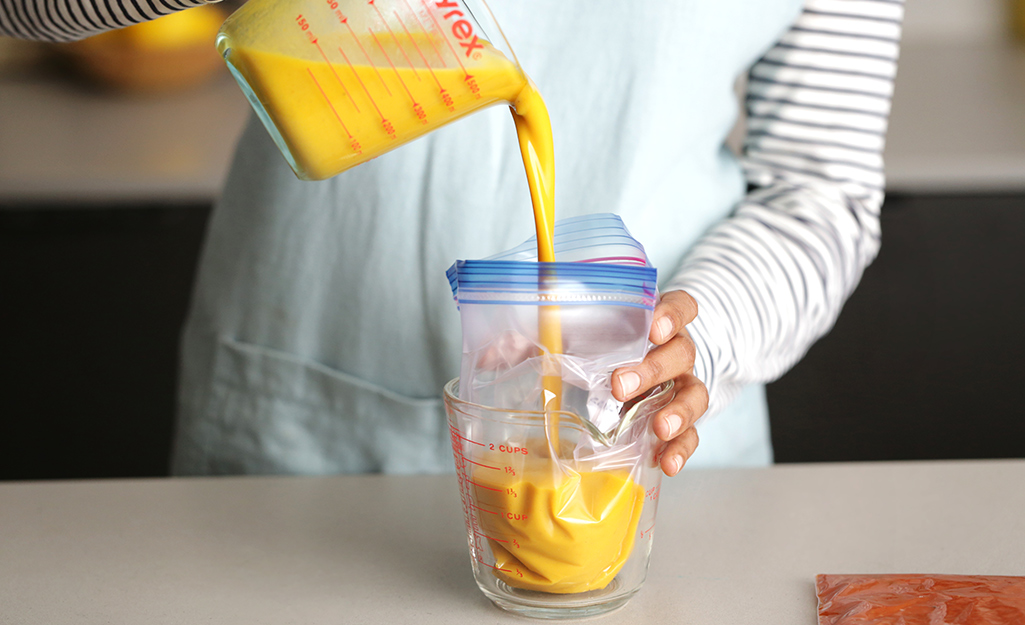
923	363
926	359
91	304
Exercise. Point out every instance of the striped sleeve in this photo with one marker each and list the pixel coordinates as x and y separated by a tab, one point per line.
771	279
70	20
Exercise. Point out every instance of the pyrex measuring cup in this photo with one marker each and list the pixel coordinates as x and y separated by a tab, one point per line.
339	82
561	533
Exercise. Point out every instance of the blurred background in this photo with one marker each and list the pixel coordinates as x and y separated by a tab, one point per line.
113	151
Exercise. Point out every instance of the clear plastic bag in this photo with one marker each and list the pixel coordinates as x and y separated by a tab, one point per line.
920	599
602	291
558	500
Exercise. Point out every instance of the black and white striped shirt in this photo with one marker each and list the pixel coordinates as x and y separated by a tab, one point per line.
770	279
69	20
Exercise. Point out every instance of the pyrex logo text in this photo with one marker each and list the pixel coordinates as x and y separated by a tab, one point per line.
461	28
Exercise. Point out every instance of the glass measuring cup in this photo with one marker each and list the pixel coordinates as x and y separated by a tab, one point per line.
339	82
561	533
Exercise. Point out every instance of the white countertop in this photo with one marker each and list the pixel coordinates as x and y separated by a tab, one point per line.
731	546
958	125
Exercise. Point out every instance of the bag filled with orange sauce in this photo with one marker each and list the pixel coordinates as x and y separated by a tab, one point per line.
920	599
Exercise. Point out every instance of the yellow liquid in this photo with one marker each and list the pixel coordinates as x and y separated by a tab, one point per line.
572	532
534	131
558	533
335	115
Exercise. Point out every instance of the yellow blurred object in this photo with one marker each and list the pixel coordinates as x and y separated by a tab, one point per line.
166	54
1018	19
192	27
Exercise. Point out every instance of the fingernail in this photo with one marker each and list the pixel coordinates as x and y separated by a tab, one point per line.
665	326
629	382
677	463
674	422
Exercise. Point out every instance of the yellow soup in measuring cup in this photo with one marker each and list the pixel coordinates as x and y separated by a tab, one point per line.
341	105
558	532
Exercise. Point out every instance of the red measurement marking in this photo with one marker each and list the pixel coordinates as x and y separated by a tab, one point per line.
447	99
345	21
492	566
395	39
497	540
332	68
497	490
486	466
458	435
328	100
472	84
483	510
431	41
652	493
397	75
648	531
418	50
444	36
367	91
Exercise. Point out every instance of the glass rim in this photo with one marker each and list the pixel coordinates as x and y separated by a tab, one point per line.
607	438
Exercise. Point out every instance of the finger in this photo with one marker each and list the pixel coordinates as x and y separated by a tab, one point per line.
663	363
675	310
690	403
679	451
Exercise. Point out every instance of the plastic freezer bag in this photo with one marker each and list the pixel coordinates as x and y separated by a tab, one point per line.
601	294
920	599
561	493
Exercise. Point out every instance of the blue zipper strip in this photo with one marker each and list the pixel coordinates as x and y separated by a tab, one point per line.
545	283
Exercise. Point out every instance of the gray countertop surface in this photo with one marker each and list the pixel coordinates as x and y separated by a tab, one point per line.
731	546
958	125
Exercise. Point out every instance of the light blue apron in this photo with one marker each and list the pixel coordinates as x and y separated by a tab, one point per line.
322	327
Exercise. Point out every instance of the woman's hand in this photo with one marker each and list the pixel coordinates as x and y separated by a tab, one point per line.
671	359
